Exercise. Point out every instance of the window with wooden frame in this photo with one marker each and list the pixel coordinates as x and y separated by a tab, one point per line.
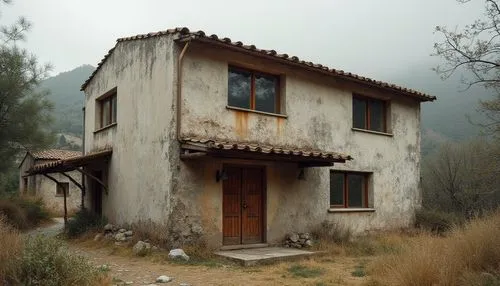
369	113
107	107
348	189
61	188
253	90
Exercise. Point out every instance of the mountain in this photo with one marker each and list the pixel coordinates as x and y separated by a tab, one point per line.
454	115
68	99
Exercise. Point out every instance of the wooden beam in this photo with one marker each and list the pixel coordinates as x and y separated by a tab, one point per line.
94	178
193	155
72	180
82	188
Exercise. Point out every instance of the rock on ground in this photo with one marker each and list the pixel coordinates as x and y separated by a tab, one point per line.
141	248
178	254
164	279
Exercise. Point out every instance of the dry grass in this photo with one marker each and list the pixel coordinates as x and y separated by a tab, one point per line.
11	246
431	260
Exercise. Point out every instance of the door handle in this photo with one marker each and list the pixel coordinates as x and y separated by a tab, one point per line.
244	205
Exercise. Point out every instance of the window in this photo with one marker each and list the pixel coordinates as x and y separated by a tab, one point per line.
253	90
348	190
61	188
369	113
25	184
107	107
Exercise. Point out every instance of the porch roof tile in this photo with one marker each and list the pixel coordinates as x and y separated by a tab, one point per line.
215	145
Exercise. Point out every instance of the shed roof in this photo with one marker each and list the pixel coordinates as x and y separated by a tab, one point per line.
186	34
55	154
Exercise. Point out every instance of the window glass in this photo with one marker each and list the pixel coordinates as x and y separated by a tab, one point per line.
355	190
265	93
61	188
113	109
377	115
106	117
336	188
239	88
359	113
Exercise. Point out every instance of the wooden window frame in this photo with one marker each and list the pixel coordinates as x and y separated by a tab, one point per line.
58	194
345	190
102	101
367	101
253	73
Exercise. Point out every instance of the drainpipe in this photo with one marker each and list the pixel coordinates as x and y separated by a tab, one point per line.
179	90
83	153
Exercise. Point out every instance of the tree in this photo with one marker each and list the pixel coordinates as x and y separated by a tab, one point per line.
476	50
462	178
24	111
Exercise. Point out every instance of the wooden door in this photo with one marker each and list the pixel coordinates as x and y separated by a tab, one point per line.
243	205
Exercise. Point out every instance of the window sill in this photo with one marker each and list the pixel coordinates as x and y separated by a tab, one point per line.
351	210
373	132
256	111
105	127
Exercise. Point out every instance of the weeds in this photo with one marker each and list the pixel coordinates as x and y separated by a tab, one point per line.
11	246
437	222
84	221
359	271
23	212
460	256
305	272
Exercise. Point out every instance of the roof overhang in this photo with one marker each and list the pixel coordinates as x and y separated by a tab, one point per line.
70	164
196	148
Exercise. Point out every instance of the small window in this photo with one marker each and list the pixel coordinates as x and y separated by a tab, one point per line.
369	113
253	90
61	188
107	107
348	189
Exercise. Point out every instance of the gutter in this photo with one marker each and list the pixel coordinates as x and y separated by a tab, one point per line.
179	90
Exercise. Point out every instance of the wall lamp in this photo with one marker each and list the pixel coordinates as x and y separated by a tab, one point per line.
221	175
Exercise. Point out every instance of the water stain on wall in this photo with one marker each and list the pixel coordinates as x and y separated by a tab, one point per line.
241	123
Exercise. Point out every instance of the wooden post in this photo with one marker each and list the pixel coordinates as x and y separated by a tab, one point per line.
65	210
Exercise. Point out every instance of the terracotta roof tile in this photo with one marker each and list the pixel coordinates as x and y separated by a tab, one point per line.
200	35
259	148
55	154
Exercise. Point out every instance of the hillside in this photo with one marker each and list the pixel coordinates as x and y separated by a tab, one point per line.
68	99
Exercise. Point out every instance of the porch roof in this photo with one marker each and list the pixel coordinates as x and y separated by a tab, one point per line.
70	164
195	147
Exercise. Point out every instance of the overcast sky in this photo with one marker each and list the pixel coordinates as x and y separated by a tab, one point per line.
376	38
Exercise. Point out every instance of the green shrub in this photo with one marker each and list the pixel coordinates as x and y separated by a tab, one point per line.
34	209
84	221
436	221
46	262
13	214
305	272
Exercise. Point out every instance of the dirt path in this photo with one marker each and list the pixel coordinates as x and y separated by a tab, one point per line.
143	271
336	270
51	228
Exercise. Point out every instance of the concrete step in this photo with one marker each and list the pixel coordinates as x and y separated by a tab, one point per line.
265	255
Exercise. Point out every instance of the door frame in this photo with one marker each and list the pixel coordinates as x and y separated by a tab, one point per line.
264	197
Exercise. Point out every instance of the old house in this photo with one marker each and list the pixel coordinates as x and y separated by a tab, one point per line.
216	140
49	191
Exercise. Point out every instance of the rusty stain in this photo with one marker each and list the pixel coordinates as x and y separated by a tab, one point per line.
279	126
241	123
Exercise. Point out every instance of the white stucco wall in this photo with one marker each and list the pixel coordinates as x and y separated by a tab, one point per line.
319	116
139	177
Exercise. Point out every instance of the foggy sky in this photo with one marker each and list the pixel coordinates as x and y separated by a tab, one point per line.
375	38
